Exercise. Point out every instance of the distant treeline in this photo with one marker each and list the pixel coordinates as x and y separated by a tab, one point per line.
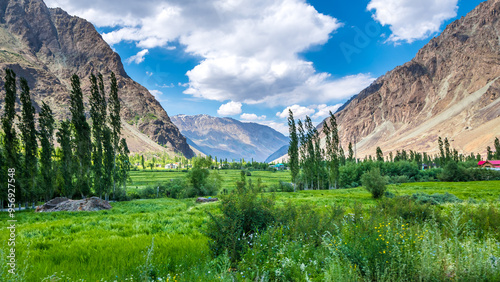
316	167
90	159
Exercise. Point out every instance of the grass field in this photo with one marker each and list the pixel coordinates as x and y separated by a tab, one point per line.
143	178
162	237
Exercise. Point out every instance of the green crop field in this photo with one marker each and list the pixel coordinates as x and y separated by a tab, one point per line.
160	239
143	178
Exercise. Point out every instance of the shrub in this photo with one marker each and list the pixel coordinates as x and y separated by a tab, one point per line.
285	187
374	182
175	188
243	214
453	173
435	199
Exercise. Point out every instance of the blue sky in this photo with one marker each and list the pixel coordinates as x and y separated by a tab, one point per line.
252	60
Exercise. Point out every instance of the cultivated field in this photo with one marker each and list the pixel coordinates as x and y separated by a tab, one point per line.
165	239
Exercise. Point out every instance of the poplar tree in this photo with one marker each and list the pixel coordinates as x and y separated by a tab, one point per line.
108	160
447	151
309	147
28	137
83	143
97	103
46	136
350	157
293	149
497	149
441	151
490	155
332	150
124	163
66	165
380	155
11	143
115	123
303	152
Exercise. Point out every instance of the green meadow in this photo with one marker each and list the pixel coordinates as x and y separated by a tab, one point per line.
165	239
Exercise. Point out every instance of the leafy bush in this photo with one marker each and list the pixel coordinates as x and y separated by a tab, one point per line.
243	214
454	173
285	187
435	199
175	188
374	182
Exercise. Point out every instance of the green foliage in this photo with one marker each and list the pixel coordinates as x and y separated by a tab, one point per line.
293	149
65	166
243	214
11	143
453	173
30	145
46	121
374	182
82	145
435	199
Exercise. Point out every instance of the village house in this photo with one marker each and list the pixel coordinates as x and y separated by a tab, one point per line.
489	164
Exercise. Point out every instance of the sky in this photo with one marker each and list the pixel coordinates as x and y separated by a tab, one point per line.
253	60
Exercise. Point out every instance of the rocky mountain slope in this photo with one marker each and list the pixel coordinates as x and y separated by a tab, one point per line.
229	138
47	46
450	89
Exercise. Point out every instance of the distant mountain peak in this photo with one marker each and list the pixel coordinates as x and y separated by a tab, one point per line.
229	138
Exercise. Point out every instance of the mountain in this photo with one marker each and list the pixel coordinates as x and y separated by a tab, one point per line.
47	46
281	152
450	89
229	138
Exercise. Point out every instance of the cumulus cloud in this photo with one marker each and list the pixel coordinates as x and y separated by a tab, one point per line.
324	111
156	93
248	48
139	58
278	126
299	112
229	109
252	117
411	20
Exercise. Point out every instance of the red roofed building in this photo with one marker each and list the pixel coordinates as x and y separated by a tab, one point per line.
489	164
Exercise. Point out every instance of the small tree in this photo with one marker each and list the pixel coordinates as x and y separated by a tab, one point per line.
374	182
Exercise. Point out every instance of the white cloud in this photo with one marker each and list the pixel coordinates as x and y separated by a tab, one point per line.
299	112
252	117
229	109
324	111
249	48
139	58
278	126
156	93
411	20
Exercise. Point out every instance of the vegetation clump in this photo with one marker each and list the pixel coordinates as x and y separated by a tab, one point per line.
374	182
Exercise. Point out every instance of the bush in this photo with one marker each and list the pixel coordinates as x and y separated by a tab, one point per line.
243	214
435	199
175	188
453	173
285	187
374	182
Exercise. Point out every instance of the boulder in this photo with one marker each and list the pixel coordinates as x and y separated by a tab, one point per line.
206	200
65	204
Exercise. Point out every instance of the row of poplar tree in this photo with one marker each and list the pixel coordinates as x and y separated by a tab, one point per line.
314	167
90	159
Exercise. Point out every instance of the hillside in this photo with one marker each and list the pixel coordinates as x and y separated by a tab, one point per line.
450	89
229	138
47	46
